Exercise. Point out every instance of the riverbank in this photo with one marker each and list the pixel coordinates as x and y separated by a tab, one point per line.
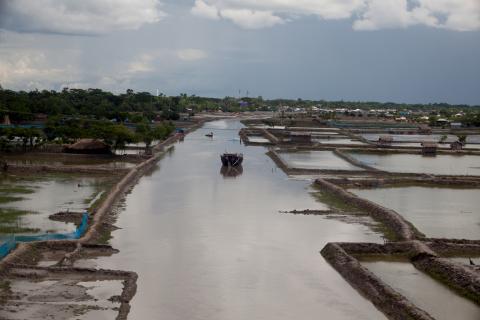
61	256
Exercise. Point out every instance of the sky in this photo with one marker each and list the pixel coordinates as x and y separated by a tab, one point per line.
413	51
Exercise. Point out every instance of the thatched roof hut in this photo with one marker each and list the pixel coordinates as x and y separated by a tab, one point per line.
88	146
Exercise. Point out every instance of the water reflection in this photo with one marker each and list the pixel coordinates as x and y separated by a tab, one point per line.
428	294
437	212
231	172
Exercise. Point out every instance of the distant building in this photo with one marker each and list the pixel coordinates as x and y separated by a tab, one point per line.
429	147
442	122
455	125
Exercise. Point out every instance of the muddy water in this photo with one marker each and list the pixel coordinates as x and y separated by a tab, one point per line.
316	160
416	163
69	160
423	291
51	194
437	212
212	246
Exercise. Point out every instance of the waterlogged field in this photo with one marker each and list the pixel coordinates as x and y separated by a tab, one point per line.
426	293
69	160
258	139
473	138
325	160
416	163
437	212
338	141
26	202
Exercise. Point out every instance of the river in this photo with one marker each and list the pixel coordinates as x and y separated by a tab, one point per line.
209	246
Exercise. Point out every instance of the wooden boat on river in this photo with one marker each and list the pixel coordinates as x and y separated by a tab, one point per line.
231	159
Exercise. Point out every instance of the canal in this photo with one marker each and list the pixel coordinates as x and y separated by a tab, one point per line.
210	245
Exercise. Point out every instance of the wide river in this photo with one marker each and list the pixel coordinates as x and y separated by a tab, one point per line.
210	246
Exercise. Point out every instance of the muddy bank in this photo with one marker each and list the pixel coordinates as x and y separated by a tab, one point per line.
460	278
60	282
460	182
391	303
394	221
60	256
353	161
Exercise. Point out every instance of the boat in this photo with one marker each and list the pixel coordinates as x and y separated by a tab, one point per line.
210	135
232	159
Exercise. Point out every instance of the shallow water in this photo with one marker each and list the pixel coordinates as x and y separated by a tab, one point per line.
339	141
326	160
423	291
437	212
52	193
258	139
68	160
416	163
206	246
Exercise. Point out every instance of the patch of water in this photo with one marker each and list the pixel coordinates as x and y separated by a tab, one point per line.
52	194
416	163
437	212
326	160
429	295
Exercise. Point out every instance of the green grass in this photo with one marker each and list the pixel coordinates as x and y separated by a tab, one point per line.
16	189
7	199
9	221
334	202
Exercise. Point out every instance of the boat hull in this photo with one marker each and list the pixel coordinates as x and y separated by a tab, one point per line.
231	159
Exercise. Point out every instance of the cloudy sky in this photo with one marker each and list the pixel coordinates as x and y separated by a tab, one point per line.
383	50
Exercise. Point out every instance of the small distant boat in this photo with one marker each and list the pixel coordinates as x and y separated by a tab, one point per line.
232	159
210	135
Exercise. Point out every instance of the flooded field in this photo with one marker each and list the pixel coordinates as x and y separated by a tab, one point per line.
26	202
206	247
326	160
258	139
68	160
54	296
423	291
437	212
416	163
339	141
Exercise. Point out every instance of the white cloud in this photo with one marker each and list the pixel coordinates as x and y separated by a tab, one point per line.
191	54
32	69
78	17
204	10
143	63
459	15
250	19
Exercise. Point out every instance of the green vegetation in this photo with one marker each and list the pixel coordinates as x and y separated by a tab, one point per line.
10	221
334	202
9	189
7	199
